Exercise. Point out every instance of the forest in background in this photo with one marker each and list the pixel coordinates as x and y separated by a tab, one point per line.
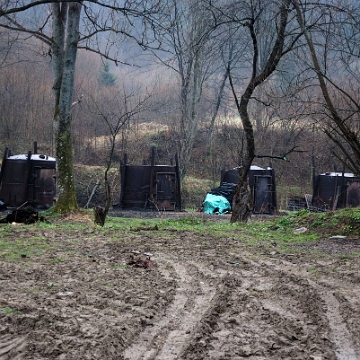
26	117
142	99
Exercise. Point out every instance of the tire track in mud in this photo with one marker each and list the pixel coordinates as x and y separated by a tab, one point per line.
11	348
255	310
339	333
248	319
166	338
296	318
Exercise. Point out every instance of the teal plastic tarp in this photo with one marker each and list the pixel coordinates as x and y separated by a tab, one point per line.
216	204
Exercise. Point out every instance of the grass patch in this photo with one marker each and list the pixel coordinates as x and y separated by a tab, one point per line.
17	242
8	310
13	249
339	222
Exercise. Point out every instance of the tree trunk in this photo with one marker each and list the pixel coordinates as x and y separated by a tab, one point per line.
216	110
191	92
242	205
242	202
100	213
65	37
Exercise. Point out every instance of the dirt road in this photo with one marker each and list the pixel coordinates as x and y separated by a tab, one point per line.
80	297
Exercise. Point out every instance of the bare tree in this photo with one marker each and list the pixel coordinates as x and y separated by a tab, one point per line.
187	50
66	27
125	105
251	15
23	84
333	46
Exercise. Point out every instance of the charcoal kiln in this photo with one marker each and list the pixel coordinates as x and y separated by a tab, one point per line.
150	187
28	178
262	186
335	190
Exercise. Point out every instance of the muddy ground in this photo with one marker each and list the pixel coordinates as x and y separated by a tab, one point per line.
80	296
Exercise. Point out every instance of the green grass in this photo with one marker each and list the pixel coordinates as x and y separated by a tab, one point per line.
339	222
8	310
11	248
19	242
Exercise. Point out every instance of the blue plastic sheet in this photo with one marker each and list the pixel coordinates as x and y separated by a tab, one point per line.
216	204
